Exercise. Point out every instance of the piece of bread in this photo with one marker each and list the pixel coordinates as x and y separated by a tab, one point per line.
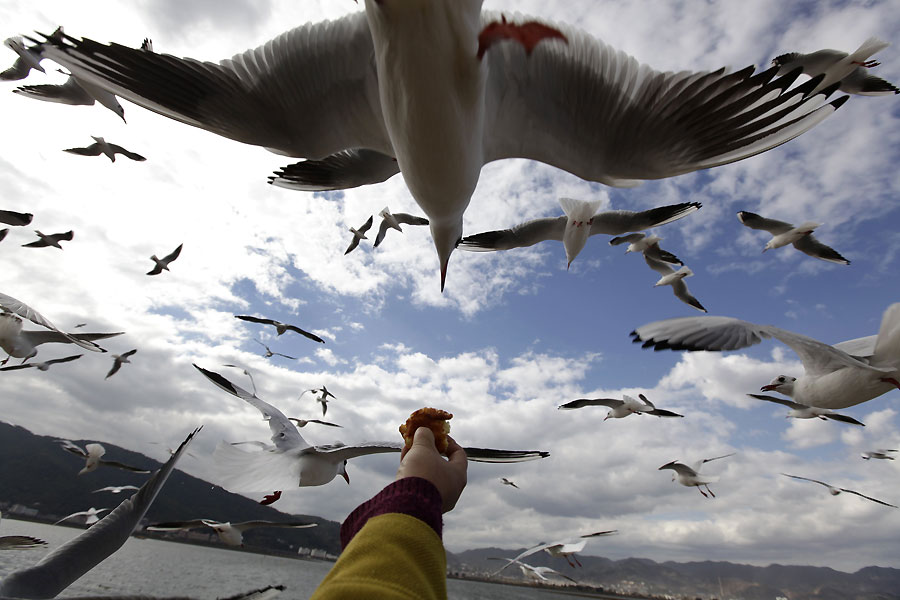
435	419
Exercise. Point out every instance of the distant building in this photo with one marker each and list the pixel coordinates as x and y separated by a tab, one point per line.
25	511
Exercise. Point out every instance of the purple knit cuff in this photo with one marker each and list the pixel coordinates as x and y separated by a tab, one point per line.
411	496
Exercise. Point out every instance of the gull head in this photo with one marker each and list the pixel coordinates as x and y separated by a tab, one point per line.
784	62
579	217
446	235
783	384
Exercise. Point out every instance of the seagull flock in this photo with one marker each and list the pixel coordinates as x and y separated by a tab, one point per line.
490	87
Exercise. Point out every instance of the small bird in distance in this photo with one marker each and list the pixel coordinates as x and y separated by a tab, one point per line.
162	264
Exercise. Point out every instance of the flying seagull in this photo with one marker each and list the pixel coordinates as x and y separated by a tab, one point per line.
16	219
661	261
270	354
581	220
566	548
322	398
881	453
689	475
162	264
231	534
101	146
508	482
64	565
836	490
393	221
41	366
850	71
292	461
280	327
835	376
50	240
73	93
90	515
359	234
92	454
118	361
539	573
568	100
29	58
802	411
800	237
620	409
23	344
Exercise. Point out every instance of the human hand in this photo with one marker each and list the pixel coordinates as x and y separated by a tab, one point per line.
423	460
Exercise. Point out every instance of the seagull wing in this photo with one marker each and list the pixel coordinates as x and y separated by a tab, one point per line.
810	244
617	222
525	234
56	571
866	497
340	171
253	97
284	434
654	262
727	333
20	542
596	112
255	320
782	401
17	367
582	402
15	219
118	465
408	219
807	479
382	231
843	419
127	153
175	254
754	221
292	524
54	361
487	455
92	150
680	289
68	93
176	525
307	334
626	239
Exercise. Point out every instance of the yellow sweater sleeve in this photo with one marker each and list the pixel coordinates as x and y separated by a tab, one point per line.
393	557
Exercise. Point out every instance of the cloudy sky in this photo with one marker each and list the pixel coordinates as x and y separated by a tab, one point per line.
513	335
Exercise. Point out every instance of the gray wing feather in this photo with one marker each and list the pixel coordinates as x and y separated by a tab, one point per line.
754	221
810	245
523	235
596	112
340	171
617	222
310	92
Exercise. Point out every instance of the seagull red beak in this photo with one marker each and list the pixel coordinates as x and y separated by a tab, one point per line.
767	388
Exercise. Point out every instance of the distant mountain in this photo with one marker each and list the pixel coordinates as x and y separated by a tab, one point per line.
36	473
706	579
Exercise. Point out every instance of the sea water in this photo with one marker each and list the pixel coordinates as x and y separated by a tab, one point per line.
159	568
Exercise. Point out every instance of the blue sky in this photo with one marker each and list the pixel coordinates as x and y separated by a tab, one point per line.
513	335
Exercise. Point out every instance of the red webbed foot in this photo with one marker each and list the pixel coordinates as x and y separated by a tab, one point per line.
528	34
